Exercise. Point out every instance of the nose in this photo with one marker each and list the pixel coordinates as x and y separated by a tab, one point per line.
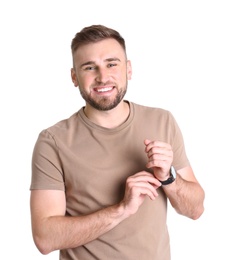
102	75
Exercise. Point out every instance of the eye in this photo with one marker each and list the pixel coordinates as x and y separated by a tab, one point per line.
110	65
89	68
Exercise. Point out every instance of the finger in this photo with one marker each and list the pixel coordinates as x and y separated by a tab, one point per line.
143	184
140	190
147	141
143	177
156	144
146	183
161	155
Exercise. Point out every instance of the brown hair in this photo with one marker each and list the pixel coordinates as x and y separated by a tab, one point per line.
95	33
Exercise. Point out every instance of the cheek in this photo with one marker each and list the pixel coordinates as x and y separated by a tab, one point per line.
85	82
120	75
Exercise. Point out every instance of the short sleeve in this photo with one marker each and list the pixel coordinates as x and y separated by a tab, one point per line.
180	159
47	173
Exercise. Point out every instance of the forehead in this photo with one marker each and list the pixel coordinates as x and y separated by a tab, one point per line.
101	50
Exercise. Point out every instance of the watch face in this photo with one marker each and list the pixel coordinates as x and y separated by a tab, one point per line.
173	172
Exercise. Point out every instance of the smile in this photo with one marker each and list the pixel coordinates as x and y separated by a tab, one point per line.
101	90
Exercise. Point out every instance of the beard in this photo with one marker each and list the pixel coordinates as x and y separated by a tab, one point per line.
103	103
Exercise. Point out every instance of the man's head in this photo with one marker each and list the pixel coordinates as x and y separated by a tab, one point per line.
93	34
100	66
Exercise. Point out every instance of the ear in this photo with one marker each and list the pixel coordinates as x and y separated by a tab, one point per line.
129	70
74	77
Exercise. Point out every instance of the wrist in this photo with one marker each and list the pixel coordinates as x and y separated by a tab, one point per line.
171	178
121	211
164	178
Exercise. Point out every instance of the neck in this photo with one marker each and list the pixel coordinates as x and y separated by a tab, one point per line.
108	119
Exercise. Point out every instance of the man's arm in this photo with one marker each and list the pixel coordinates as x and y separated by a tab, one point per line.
52	230
185	193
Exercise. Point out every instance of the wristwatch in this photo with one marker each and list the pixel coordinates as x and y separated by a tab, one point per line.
171	178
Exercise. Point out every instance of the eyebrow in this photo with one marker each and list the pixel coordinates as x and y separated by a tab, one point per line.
92	62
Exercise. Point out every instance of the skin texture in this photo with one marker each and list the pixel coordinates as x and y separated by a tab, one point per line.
101	72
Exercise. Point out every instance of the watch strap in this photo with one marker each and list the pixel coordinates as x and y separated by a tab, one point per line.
172	177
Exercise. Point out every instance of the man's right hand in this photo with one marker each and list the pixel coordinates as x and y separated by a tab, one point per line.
138	186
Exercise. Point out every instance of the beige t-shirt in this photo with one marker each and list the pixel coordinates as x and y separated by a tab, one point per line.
91	163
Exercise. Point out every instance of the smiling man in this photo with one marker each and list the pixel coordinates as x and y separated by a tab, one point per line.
101	71
102	178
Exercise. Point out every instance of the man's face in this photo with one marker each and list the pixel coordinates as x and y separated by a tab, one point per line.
101	72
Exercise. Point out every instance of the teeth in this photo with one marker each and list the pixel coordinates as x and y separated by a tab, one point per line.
103	89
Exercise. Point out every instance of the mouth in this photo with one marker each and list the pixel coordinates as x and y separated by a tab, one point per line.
103	90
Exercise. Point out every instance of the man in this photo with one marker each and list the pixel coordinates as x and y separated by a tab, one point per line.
101	179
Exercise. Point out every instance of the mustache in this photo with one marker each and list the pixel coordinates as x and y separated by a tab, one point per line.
107	83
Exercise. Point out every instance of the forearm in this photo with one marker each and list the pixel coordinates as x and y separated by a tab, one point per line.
60	232
186	197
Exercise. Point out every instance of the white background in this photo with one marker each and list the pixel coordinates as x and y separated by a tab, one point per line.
182	54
